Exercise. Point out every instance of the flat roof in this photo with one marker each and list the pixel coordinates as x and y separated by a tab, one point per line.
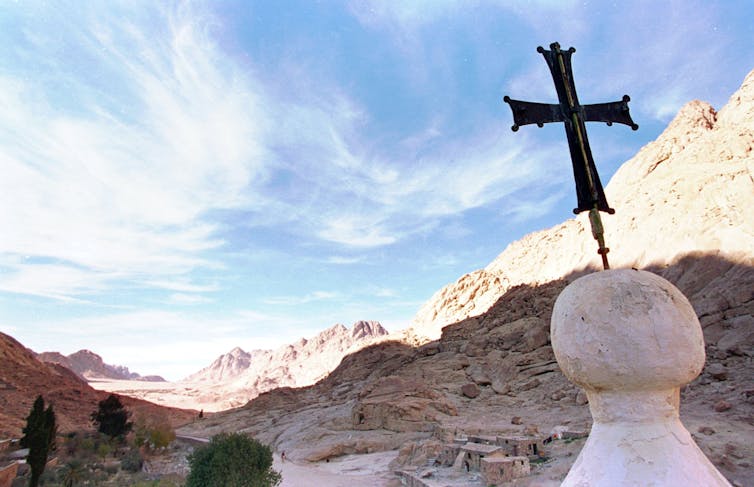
480	448
497	459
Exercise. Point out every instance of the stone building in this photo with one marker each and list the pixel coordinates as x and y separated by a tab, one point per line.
449	454
473	453
498	469
521	446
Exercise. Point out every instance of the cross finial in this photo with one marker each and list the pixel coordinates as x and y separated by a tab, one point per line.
589	192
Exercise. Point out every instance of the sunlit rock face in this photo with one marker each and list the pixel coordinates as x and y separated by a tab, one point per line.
688	192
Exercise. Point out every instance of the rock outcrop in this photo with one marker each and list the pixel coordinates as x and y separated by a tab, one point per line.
88	365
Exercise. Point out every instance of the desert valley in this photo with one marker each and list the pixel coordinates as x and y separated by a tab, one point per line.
362	406
357	405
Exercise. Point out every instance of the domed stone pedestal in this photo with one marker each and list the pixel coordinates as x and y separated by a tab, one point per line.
631	340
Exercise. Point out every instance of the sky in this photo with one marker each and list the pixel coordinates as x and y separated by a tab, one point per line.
178	178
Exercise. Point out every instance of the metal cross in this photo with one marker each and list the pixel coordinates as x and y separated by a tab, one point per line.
589	192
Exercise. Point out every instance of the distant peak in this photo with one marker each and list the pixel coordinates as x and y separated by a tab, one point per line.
362	329
85	353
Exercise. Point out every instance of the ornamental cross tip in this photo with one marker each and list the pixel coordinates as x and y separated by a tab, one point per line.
574	116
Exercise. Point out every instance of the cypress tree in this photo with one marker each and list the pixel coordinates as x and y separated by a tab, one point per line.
39	438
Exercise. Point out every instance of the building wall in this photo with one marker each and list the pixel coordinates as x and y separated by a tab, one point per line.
497	470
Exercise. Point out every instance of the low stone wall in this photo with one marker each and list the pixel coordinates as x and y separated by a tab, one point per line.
413	480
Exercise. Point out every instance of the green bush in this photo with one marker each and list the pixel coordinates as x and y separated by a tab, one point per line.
232	460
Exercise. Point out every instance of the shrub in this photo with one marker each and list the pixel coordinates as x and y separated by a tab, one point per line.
153	432
132	461
232	460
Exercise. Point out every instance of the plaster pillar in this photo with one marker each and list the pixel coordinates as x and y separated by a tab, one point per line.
631	339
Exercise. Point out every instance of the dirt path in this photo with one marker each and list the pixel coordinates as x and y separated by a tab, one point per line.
369	470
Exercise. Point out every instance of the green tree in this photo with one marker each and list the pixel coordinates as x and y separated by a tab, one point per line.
153	431
232	460
39	438
111	417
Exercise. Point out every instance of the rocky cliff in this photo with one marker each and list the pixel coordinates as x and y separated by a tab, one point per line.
683	211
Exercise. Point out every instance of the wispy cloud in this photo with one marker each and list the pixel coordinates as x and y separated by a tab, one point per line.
299	300
342	260
117	188
188	299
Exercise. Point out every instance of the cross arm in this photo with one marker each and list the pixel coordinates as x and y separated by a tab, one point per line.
612	112
525	113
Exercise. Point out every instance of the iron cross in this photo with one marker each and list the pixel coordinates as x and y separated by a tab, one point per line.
589	192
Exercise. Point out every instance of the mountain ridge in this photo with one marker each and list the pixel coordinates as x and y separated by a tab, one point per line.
89	365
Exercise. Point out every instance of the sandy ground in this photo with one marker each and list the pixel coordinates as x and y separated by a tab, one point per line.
348	471
182	395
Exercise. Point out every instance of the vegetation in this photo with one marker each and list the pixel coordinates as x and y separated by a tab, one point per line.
132	461
111	418
154	433
88	457
232	460
39	438
72	473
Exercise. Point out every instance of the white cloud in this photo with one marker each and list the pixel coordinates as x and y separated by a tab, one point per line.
528	210
118	188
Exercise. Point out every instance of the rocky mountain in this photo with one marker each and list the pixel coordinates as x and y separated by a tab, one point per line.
23	376
478	358
89	365
226	367
238	376
701	153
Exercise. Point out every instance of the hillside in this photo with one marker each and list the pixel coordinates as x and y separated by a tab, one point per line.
485	363
23	377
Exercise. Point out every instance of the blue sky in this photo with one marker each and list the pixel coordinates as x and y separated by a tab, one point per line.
179	178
